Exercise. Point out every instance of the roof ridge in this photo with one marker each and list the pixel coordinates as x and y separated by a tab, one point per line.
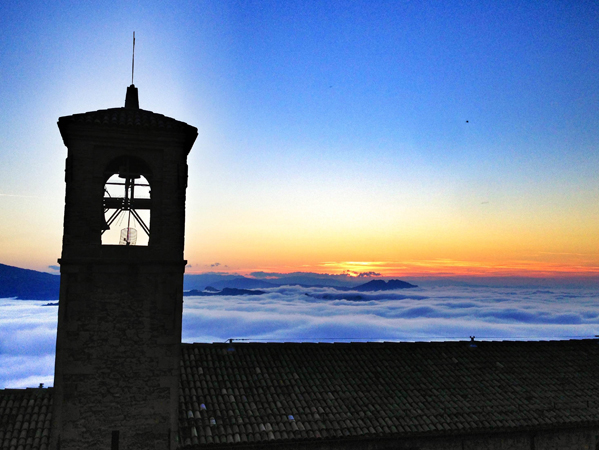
127	117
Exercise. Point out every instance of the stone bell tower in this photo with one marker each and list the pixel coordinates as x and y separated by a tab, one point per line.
121	291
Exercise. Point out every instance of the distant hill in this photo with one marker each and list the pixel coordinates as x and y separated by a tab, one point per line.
381	285
222	281
243	283
225	291
26	284
308	279
200	281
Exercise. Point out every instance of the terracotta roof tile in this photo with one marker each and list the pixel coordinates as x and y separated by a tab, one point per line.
288	392
25	418
126	117
391	389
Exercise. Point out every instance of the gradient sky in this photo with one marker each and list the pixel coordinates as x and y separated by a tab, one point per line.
403	137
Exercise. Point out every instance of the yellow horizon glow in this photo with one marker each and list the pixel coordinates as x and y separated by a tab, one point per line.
429	268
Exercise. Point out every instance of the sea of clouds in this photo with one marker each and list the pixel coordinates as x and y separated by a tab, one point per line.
292	313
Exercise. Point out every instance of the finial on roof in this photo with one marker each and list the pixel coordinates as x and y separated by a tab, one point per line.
131	99
133	59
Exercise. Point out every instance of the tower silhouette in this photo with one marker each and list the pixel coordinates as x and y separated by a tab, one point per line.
119	319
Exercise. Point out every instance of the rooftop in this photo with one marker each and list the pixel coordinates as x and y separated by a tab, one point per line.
289	392
128	116
25	418
295	391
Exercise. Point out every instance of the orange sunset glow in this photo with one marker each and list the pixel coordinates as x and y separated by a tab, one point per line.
429	268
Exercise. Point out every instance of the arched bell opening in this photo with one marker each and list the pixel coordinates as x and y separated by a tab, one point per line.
127	202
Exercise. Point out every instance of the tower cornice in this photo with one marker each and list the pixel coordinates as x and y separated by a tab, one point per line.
138	120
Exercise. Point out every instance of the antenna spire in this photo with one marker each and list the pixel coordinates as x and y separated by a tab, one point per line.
133	59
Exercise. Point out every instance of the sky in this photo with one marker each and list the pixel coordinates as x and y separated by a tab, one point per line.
406	138
293	313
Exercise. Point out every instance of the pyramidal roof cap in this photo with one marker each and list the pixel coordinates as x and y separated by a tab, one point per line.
132	99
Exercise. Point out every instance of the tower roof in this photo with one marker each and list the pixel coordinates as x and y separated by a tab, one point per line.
129	116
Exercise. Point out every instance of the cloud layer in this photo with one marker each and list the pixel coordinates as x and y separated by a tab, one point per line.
27	343
28	329
321	314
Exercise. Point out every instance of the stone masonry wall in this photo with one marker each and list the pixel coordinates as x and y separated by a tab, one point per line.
119	339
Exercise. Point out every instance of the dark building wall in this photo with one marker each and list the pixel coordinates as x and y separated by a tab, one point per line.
565	439
118	355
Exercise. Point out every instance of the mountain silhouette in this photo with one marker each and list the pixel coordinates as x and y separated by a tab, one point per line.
243	283
26	284
381	285
225	291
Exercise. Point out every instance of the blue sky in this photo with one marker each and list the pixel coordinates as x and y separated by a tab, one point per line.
403	134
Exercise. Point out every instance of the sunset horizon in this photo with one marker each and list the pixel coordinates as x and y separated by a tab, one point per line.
434	268
437	268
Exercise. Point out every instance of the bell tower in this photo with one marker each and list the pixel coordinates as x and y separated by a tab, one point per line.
121	292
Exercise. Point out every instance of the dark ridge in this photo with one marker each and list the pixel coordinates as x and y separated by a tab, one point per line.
243	283
26	284
225	291
381	285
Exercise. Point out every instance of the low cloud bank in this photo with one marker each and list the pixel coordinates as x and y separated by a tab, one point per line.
322	314
27	343
293	313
